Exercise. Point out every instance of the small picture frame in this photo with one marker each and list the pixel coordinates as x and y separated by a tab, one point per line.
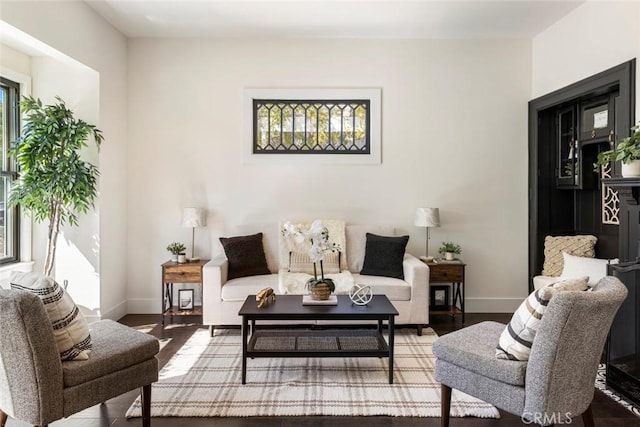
185	299
439	297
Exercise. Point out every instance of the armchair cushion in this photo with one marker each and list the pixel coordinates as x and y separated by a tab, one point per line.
474	347
246	256
70	328
517	338
383	256
576	266
554	246
115	347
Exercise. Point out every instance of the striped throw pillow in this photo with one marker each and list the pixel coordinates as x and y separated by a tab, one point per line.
70	328
299	262
517	338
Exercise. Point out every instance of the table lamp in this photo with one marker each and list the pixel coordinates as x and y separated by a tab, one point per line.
193	217
427	217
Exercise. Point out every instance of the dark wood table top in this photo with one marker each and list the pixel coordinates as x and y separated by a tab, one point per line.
291	307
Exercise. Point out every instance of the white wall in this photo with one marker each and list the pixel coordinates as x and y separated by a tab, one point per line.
454	136
594	37
75	30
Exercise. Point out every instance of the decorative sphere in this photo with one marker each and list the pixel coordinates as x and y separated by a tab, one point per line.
360	294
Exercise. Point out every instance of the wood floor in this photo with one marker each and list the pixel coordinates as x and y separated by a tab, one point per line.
606	412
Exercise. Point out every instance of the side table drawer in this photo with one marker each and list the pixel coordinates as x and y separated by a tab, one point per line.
183	274
445	273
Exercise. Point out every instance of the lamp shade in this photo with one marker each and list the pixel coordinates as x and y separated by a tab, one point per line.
193	217
427	217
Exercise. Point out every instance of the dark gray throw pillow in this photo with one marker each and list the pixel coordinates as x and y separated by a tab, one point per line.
383	256
246	256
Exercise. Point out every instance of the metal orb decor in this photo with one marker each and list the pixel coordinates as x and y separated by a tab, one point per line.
360	294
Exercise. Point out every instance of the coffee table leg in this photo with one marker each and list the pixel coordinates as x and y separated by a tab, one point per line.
245	326
391	336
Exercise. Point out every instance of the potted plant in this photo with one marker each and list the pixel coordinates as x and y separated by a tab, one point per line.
627	151
450	250
176	250
54	182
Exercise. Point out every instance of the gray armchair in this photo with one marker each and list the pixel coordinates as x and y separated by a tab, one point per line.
38	388
557	382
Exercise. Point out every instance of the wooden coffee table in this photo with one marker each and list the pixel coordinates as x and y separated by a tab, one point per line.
348	342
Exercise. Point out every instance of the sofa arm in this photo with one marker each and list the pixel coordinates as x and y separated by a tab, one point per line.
214	276
416	274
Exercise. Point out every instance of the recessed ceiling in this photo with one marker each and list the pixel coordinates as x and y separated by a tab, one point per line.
332	18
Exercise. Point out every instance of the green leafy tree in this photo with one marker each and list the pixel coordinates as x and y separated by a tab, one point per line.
54	183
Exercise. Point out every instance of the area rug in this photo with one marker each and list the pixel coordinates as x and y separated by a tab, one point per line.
203	379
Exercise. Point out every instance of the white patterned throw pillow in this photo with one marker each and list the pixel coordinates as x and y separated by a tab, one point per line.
70	328
516	339
300	262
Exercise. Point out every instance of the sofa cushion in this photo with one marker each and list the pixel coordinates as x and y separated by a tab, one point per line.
246	256
300	262
239	289
394	289
383	256
554	246
517	338
70	327
576	266
356	236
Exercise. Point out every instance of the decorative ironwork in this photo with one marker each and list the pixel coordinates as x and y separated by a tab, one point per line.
610	200
282	126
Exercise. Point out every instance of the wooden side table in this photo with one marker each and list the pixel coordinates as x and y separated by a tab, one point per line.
449	272
173	272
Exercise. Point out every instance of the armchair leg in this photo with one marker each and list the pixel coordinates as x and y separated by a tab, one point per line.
419	330
587	417
445	405
3	418
146	405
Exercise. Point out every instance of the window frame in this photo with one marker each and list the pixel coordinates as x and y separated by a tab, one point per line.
9	169
372	95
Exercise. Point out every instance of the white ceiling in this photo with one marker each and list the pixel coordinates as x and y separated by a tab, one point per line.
333	18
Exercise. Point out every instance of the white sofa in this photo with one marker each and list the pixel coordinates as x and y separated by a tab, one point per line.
222	299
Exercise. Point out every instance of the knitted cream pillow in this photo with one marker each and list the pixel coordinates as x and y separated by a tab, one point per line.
573	245
300	262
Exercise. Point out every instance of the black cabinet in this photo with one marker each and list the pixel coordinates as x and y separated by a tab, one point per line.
597	117
568	164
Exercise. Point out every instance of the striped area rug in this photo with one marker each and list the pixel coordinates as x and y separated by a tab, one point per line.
203	380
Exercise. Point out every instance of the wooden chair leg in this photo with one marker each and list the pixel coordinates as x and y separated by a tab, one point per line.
3	418
445	405
419	330
587	417
146	405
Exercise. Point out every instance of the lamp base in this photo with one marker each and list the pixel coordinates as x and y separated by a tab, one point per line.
194	259
426	258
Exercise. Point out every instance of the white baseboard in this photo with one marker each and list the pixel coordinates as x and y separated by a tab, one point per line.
492	305
143	306
117	312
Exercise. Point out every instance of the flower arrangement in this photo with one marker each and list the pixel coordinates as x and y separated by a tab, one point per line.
317	239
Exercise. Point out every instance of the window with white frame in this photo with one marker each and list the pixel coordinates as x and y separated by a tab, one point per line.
9	131
312	125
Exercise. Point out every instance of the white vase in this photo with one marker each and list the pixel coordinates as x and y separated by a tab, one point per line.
631	170
182	258
174	257
449	256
